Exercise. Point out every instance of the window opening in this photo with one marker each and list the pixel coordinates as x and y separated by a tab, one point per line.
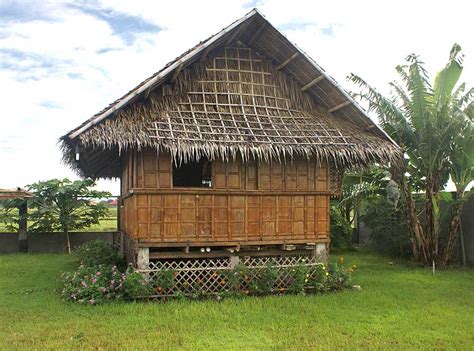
193	174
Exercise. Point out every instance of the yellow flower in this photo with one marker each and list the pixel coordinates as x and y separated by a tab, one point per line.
327	273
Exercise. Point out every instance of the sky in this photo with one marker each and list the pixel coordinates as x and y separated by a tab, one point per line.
63	61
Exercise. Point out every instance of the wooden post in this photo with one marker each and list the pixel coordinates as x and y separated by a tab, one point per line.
23	227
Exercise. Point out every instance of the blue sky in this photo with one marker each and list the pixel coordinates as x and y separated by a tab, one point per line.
63	61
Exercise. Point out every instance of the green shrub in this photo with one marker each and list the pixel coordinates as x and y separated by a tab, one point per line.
262	280
93	285
299	278
340	231
338	277
99	252
318	278
388	230
163	281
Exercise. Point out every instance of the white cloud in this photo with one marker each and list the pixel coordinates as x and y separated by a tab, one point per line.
55	78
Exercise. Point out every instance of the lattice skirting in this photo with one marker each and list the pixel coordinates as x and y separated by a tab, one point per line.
213	276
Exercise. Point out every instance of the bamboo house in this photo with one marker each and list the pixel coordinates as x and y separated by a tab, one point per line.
233	149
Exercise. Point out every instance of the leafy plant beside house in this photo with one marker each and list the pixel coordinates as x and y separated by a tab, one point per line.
92	285
99	252
101	275
433	123
388	230
340	230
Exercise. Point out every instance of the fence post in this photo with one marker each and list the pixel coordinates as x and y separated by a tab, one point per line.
23	227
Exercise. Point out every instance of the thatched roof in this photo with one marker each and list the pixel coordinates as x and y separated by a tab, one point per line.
245	91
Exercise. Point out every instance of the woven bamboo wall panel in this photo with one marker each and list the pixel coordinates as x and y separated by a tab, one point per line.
176	218
149	170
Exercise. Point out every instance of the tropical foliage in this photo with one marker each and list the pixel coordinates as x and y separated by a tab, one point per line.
60	205
433	124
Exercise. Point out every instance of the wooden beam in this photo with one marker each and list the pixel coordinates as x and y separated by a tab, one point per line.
236	33
205	53
176	73
288	60
313	82
256	34
338	107
147	93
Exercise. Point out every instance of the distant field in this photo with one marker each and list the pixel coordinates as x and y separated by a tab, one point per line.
106	225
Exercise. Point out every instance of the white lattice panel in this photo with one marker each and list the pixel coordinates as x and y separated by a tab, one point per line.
209	276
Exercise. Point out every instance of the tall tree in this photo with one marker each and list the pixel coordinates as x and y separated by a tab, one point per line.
64	205
426	120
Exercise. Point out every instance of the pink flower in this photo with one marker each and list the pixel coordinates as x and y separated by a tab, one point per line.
98	273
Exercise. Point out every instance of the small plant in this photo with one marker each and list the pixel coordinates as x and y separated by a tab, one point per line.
163	281
262	280
239	277
93	285
318	278
99	252
299	279
338	278
341	231
134	285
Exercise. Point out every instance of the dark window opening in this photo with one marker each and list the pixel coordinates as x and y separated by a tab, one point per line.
193	174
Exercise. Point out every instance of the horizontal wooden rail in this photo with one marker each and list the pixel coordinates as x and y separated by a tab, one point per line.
213	191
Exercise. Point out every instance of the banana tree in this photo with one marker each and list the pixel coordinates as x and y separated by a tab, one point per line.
424	119
359	186
462	163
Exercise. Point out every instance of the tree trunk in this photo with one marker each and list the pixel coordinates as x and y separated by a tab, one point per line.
68	242
429	218
420	247
453	229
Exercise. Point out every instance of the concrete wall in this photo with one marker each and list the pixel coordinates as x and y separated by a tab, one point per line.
467	221
50	242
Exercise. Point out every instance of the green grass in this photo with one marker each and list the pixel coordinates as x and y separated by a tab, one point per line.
399	307
107	224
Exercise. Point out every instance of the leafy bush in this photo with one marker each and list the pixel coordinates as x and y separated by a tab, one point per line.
262	280
338	277
99	252
318	278
340	231
300	279
388	230
92	285
163	281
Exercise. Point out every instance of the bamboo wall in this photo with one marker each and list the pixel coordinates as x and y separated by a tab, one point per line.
253	202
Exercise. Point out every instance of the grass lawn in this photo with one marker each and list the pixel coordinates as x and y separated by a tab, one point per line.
107	224
399	307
